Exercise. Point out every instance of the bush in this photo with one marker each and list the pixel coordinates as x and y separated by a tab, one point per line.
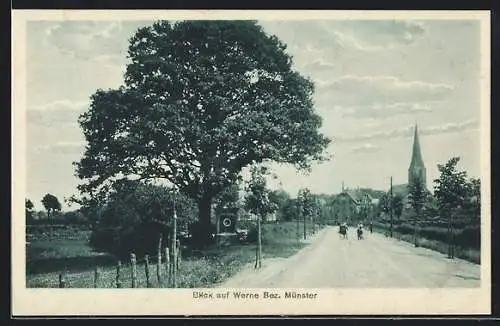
470	237
253	234
122	241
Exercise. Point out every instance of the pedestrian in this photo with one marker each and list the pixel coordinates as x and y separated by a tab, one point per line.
371	227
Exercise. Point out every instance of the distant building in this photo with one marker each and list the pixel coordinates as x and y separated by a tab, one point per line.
354	205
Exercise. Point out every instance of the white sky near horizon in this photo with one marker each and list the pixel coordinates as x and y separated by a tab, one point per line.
374	80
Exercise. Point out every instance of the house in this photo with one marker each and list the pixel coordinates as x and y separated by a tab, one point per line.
354	205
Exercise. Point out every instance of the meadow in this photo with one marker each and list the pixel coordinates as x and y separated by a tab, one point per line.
47	258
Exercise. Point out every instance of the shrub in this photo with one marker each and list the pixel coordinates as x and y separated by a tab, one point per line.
469	237
253	234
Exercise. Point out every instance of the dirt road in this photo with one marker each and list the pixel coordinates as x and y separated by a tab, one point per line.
375	262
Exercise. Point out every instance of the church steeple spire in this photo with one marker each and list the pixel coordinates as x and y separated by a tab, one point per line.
417	167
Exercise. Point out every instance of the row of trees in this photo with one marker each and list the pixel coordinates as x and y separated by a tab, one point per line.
456	199
50	203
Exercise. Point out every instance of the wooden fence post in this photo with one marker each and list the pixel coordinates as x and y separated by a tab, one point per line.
97	277
146	266
158	264
62	280
134	270
167	266
118	270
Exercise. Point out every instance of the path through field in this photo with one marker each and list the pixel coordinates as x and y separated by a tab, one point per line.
375	262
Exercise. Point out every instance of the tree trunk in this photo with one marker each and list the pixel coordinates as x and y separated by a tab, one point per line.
205	220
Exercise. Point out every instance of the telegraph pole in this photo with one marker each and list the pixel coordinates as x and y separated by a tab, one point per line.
390	210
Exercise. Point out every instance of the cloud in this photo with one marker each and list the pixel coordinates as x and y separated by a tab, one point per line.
365	148
62	147
450	127
383	110
60	105
56	114
408	131
98	41
368	35
318	65
365	90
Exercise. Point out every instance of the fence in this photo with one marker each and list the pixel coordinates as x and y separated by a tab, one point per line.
131	274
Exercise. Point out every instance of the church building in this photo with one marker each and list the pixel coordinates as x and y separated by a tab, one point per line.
416	171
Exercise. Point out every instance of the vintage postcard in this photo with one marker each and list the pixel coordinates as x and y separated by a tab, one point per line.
251	162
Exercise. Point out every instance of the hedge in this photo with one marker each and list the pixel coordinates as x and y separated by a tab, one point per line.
466	237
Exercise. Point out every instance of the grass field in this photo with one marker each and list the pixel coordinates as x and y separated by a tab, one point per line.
197	269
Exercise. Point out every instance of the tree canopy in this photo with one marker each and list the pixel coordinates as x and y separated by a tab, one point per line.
200	101
51	204
136	214
450	188
28	208
417	196
257	200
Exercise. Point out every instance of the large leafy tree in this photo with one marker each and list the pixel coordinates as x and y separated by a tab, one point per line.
51	204
201	100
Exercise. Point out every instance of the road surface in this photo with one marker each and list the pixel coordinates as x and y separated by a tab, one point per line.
375	262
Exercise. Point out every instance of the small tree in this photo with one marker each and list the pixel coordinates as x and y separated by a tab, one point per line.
472	204
397	204
289	210
281	198
306	203
416	198
257	202
51	204
450	190
384	203
28	205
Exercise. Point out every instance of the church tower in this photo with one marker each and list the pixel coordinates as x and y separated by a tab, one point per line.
417	167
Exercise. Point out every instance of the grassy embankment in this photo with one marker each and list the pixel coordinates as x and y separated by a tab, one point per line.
467	242
47	258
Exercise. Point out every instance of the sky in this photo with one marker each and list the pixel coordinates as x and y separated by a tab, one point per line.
374	80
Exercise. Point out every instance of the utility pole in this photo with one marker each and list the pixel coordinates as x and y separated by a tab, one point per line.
390	210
